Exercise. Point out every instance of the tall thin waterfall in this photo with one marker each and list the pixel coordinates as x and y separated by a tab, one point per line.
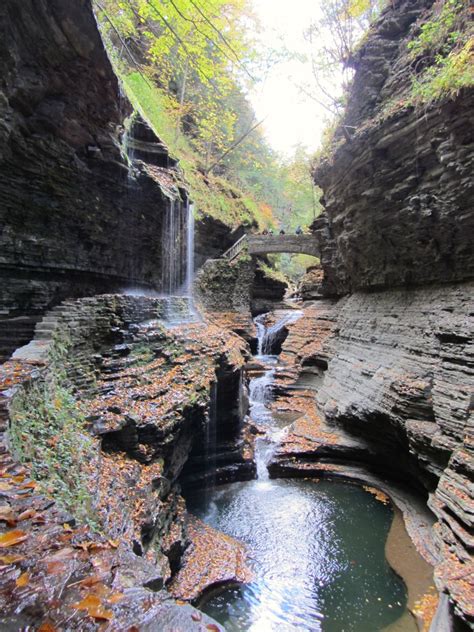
174	247
190	251
178	261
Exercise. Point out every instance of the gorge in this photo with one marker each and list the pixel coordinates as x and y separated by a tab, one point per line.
184	447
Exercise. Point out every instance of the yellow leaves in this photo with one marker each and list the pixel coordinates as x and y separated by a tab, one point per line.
94	607
98	599
12	538
379	495
11	559
23	580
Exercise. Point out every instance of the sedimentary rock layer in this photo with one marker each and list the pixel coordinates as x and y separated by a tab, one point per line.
398	187
73	222
142	397
393	374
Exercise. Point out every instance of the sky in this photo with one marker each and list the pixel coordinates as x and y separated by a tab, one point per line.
291	117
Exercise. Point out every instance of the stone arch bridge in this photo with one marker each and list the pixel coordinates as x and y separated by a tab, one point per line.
268	244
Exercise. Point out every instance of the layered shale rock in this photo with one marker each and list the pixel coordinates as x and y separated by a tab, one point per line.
123	402
398	187
396	375
74	221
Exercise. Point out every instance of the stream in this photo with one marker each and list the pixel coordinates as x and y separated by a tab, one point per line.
316	547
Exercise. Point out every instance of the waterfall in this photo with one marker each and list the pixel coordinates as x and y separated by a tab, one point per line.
268	337
178	261
190	255
210	440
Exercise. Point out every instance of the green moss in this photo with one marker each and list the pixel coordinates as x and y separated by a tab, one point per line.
48	432
446	78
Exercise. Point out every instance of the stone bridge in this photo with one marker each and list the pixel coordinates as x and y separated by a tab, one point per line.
267	244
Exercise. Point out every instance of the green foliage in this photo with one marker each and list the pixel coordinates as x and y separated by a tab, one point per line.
445	45
447	77
272	272
48	433
293	267
195	51
441	32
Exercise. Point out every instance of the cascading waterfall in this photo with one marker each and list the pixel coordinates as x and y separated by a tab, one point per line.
267	337
316	549
190	251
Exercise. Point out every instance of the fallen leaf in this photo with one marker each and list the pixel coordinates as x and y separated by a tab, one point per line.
90	581
10	538
46	627
115	597
114	543
196	616
30	485
23	580
213	627
11	559
94	607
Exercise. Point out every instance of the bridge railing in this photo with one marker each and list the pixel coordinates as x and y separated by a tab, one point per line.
236	248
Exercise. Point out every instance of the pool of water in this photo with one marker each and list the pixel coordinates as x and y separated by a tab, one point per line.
317	551
317	548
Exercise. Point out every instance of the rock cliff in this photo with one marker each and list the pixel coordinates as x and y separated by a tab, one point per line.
73	221
398	188
395	377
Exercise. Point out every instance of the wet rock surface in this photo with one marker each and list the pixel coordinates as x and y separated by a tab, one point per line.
391	375
199	572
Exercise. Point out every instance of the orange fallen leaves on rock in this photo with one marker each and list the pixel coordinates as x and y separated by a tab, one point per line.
213	627
94	607
23	579
11	559
11	538
115	597
46	627
29	485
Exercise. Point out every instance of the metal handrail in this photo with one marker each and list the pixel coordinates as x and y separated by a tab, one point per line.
235	249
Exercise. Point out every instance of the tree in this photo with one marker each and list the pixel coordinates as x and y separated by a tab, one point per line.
196	52
333	37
